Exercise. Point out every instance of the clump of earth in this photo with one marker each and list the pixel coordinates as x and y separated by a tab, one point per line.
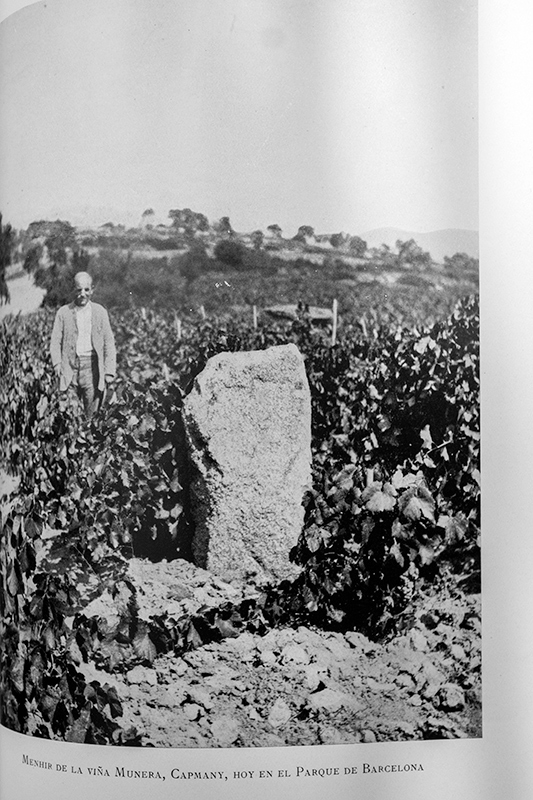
296	686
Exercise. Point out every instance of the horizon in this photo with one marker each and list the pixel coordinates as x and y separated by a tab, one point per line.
93	219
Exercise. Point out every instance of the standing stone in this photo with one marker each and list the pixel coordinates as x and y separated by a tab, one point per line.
248	427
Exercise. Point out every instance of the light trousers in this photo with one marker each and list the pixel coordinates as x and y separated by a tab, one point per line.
84	386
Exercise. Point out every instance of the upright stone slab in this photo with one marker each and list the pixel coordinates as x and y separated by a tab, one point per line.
248	426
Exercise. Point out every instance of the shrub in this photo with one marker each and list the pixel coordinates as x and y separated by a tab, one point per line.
194	263
230	253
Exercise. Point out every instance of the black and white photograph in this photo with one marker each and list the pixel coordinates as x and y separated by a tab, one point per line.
240	378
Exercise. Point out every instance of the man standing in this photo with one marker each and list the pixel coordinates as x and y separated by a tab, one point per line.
83	347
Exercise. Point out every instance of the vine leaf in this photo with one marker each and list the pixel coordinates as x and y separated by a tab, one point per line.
417	507
381	501
78	731
143	645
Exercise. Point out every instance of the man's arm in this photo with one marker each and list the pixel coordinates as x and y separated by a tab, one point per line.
56	341
110	353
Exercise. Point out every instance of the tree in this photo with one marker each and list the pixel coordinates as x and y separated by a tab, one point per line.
58	245
54	258
257	239
304	232
58	278
147	219
58	229
188	221
357	246
224	227
337	239
33	258
275	230
6	245
230	252
195	262
461	262
411	254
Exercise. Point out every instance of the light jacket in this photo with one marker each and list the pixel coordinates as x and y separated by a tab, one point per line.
64	338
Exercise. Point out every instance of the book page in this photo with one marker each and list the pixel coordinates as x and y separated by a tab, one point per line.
271	117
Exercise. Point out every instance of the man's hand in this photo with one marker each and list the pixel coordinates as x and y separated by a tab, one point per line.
110	393
57	370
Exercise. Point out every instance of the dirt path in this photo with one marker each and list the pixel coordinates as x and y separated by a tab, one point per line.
25	297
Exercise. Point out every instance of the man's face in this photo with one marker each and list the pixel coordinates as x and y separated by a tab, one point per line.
83	289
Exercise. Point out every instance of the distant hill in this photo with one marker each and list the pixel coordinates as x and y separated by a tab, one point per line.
438	243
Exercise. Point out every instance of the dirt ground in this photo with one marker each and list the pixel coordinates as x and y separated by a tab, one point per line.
297	686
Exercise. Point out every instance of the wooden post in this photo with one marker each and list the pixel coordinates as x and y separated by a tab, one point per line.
177	325
143	313
334	329
254	312
202	311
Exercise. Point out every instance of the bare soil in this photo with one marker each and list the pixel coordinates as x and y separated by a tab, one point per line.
295	686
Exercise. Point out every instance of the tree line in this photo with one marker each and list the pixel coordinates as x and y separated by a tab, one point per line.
53	251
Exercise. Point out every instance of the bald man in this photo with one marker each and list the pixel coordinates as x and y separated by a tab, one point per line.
83	347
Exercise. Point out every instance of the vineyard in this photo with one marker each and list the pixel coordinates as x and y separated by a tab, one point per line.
389	553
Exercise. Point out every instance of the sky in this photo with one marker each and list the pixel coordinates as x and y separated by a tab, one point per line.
343	115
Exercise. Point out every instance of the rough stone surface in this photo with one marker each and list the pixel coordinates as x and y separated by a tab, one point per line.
248	427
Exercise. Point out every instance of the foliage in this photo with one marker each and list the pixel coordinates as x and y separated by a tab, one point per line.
304	232
54	229
190	222
163	243
394	502
358	246
411	254
41	691
194	263
338	239
230	252
6	246
396	490
53	258
223	227
127	272
257	239
461	263
384	256
123	281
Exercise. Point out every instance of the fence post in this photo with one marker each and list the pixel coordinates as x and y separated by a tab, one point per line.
254	313
334	329
177	325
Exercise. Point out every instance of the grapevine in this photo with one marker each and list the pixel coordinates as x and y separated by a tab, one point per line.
394	501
